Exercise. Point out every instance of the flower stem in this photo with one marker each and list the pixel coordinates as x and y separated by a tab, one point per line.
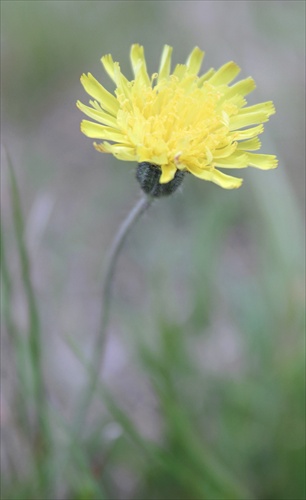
99	347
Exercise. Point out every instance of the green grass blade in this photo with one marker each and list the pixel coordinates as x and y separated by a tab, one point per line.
210	471
16	340
41	438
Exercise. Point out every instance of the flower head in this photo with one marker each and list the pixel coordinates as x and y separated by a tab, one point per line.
178	122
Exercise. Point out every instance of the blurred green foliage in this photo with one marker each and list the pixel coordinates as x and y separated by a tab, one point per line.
208	400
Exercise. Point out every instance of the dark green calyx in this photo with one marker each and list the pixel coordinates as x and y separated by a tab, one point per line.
148	176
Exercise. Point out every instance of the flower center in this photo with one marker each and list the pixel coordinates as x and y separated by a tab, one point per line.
175	116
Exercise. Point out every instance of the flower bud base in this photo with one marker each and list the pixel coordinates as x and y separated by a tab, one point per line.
148	176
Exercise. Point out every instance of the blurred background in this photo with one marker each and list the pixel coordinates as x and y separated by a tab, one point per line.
204	394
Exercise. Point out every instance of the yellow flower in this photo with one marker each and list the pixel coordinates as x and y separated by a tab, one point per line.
179	121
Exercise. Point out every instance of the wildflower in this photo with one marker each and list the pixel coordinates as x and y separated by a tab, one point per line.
175	123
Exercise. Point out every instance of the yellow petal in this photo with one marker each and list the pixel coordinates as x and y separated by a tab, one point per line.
168	173
121	151
237	100
248	133
249	145
226	151
180	71
123	85
243	88
165	63
101	147
112	68
187	82
194	61
225	74
266	107
100	116
206	77
98	92
139	63
226	181
214	175
97	131
247	119
262	161
238	159
95	105
158	159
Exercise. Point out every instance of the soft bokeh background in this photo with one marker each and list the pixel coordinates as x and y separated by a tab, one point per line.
205	361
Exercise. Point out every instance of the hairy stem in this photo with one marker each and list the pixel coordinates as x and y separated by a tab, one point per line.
99	348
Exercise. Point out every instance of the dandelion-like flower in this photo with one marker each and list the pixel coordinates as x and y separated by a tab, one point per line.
171	123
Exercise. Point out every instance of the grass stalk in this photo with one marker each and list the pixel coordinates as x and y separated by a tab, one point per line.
15	339
41	437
